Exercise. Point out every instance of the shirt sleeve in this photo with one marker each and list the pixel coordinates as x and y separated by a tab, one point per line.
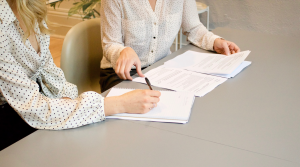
196	33
55	74
111	30
37	110
70	90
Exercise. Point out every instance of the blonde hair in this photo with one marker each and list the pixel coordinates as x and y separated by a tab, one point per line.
32	12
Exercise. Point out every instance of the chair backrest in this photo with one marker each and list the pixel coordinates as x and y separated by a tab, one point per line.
81	55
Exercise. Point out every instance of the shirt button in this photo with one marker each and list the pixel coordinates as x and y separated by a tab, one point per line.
151	51
154	37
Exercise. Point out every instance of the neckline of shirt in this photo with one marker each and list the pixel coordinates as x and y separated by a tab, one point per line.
27	43
148	7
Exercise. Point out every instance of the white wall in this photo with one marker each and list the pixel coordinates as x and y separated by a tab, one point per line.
280	17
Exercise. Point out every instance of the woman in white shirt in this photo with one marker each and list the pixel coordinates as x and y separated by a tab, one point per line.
36	89
137	33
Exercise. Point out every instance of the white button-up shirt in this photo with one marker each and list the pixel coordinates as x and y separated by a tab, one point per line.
22	70
133	23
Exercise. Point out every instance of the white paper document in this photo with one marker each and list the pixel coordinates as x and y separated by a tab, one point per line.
181	80
208	62
172	107
242	66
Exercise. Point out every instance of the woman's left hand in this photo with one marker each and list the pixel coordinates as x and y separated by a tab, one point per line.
225	47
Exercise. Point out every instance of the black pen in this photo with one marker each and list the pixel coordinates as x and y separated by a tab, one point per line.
148	83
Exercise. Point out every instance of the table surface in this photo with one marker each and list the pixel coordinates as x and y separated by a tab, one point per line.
250	120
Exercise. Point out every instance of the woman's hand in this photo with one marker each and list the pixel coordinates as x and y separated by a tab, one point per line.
225	47
127	58
134	102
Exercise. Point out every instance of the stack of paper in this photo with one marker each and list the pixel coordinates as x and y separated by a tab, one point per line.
196	72
172	107
208	63
181	80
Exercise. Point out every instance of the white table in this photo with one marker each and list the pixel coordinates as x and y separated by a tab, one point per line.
250	120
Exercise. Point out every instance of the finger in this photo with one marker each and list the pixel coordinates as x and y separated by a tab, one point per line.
152	99
153	93
237	49
146	108
127	70
138	68
225	48
121	71
232	51
154	105
234	47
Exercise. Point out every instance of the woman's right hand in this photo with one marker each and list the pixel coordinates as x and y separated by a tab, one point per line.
126	60
134	102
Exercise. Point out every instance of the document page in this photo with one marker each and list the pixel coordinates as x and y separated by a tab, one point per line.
207	62
240	68
181	80
172	107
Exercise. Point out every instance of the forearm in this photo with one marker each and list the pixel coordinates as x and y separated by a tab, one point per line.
192	27
112	51
57	114
202	38
111	30
113	105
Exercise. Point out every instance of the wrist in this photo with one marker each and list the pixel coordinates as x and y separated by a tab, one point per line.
216	42
125	49
113	105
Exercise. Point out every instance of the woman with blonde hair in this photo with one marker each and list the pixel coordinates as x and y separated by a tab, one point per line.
34	93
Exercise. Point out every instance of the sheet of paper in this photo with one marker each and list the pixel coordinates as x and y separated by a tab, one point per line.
243	65
172	107
207	62
181	80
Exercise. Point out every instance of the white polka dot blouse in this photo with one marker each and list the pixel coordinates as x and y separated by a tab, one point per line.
32	84
133	23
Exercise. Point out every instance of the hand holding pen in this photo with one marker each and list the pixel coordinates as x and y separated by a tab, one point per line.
149	85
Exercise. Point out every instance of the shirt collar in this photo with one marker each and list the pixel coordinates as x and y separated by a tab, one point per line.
7	16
